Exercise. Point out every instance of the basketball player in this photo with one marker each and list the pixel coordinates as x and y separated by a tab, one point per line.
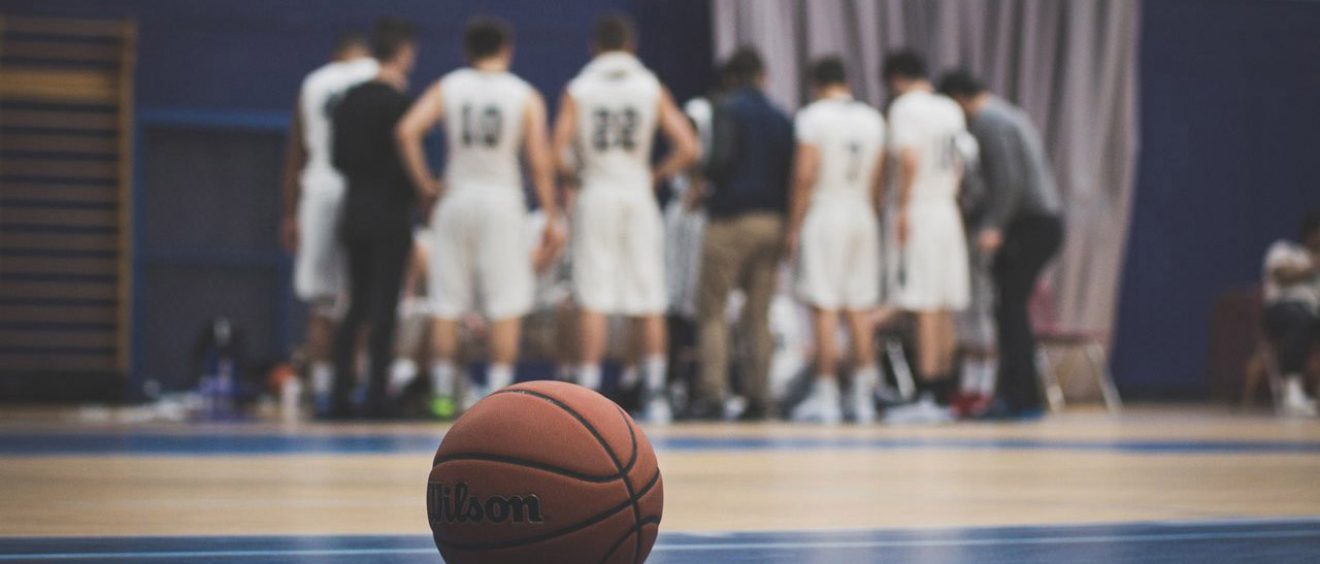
313	194
835	234
609	115
479	253
924	131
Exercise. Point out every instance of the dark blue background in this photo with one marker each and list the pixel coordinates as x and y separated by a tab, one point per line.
1230	161
252	54
215	81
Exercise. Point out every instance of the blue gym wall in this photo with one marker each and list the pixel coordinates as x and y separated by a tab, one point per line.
1230	102
215	81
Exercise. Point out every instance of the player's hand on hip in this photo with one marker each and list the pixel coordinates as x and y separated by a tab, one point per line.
990	240
430	193
552	241
289	234
791	242
695	195
903	228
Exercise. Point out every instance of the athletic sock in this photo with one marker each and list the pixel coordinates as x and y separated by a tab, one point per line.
987	371
656	369
971	376
628	377
826	384
443	373
589	376
499	376
978	376
867	377
323	378
1293	388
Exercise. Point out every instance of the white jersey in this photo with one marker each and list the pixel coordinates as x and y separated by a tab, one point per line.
483	129
617	102
320	92
931	125
702	114
849	136
1287	254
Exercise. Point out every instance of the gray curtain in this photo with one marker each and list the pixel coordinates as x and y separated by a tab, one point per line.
1071	64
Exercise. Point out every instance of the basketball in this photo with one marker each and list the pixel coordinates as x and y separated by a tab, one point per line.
544	472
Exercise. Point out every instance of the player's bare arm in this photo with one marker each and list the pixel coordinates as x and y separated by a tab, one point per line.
684	149
806	165
878	181
908	161
1290	274
564	134
421	117
536	149
295	159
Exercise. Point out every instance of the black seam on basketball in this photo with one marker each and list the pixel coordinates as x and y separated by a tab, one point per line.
633	531
632	436
632	461
617	544
650	485
637	511
618	465
469	456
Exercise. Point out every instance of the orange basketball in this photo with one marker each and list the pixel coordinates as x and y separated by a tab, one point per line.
545	472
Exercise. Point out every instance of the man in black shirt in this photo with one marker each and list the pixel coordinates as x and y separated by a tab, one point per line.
376	227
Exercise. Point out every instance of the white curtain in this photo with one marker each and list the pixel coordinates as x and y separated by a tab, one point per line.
1071	64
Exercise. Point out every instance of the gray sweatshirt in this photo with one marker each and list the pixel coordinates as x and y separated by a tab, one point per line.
1018	180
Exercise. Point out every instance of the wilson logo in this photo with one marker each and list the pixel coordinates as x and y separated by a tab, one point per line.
457	504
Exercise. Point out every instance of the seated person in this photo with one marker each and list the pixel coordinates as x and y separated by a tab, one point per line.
1292	309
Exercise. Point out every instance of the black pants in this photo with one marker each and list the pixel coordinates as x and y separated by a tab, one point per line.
1295	329
1029	244
376	264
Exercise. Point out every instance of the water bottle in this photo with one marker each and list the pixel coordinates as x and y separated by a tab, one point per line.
218	382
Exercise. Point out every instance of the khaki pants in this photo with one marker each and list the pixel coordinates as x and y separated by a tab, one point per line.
744	252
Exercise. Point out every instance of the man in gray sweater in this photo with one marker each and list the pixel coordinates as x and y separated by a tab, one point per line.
1021	228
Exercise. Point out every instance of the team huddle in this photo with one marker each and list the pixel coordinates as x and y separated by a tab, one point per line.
358	142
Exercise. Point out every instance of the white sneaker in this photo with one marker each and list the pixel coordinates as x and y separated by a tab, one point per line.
402	374
863	403
734	407
887	394
1295	402
822	406
589	379
923	412
657	411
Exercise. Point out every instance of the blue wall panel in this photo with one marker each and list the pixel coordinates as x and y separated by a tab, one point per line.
1230	162
253	53
215	81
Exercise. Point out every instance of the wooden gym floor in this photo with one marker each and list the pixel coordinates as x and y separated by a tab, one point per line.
1153	485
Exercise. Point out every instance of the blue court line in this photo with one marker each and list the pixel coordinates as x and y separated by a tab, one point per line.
213	443
1166	542
212	554
698	547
